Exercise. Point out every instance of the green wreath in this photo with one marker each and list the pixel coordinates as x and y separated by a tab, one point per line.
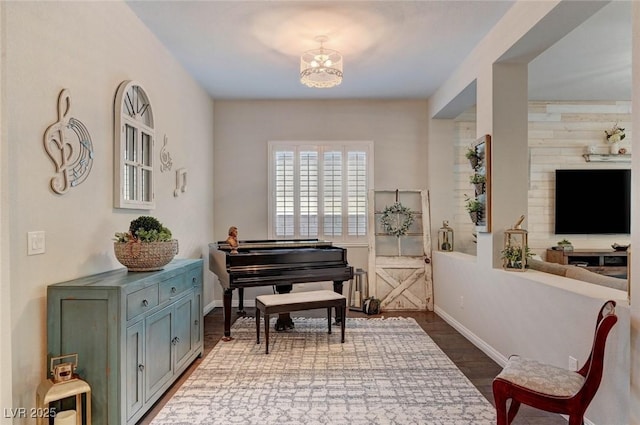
391	221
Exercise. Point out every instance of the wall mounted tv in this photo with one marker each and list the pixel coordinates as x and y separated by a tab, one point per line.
593	202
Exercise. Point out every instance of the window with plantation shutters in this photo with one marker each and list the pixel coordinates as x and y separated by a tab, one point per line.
319	190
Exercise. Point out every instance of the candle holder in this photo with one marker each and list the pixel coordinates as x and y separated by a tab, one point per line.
445	237
516	248
64	383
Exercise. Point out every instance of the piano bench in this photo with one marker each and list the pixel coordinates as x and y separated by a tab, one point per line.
296	301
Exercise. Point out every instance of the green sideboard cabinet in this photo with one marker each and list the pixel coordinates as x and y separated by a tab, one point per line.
134	332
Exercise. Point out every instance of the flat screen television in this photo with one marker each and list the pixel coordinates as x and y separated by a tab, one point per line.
593	201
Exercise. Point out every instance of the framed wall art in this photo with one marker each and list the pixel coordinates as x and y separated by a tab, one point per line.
479	207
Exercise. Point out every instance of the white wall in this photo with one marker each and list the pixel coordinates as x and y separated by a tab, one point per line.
88	48
243	128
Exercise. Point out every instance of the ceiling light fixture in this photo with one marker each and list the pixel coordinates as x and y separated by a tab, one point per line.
321	68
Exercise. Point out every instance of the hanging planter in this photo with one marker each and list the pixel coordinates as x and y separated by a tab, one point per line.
472	155
475	209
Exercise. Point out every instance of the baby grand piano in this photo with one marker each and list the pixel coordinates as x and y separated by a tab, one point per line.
276	262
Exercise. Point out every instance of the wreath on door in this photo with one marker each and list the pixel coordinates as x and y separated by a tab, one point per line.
396	219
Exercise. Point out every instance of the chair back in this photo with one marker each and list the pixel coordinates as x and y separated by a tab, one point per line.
592	368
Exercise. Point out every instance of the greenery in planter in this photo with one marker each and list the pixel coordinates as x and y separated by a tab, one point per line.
472	155
564	242
473	205
477	178
512	254
145	229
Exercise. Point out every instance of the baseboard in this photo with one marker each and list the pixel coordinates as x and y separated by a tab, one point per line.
473	338
218	303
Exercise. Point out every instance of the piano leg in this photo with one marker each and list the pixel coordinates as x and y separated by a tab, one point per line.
226	303
284	321
241	311
337	287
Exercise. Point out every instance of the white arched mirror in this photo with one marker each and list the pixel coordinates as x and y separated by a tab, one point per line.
133	148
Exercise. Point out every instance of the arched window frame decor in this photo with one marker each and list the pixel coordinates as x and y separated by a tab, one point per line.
134	140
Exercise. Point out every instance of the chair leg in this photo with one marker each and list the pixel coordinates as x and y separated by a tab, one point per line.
266	333
342	323
501	404
576	419
513	410
329	318
257	326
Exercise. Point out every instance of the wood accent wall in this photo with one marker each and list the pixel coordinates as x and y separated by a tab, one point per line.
559	133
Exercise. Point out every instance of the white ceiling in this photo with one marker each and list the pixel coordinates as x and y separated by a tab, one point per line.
392	49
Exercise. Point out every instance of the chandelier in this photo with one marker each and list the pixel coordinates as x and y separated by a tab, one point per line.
321	68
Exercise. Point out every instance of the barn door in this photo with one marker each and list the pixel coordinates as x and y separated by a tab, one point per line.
400	249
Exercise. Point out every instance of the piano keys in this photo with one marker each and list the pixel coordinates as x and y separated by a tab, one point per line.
276	262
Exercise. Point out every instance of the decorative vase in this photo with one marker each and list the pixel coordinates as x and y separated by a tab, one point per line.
145	256
614	148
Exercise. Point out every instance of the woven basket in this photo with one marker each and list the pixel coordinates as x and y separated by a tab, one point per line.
145	256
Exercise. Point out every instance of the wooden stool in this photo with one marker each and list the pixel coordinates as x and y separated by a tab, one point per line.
295	301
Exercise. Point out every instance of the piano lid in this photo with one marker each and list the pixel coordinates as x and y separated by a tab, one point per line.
273	244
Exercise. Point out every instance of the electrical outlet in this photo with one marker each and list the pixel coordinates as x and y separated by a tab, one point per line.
573	363
35	243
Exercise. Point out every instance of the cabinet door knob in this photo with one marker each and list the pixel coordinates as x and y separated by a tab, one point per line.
140	367
195	322
194	280
145	303
173	289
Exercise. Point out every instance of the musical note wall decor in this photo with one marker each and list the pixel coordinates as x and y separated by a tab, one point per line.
68	144
165	157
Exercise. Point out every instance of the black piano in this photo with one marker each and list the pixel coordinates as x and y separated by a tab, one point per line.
276	262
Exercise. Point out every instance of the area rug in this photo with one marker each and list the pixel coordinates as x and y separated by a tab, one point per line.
388	371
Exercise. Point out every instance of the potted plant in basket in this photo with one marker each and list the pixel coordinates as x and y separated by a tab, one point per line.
472	155
478	180
147	246
475	209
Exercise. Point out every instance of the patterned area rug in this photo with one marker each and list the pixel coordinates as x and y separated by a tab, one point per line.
388	371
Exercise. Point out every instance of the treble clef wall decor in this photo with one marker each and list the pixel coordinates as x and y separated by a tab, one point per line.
69	146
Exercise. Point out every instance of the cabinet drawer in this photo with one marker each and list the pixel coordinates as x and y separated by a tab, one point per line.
140	301
173	287
194	278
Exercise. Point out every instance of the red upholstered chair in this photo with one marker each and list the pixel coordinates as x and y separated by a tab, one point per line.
552	388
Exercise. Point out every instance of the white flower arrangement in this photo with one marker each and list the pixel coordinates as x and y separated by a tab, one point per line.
615	135
391	222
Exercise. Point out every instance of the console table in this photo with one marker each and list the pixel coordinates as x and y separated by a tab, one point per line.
606	262
134	332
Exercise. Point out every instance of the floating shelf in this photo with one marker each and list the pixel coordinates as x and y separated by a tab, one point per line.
594	157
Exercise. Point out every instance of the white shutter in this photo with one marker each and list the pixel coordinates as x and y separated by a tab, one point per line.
284	194
319	190
357	193
332	193
308	194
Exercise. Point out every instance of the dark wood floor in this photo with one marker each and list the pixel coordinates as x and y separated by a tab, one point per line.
478	367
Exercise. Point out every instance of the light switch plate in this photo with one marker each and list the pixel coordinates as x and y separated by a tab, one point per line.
35	243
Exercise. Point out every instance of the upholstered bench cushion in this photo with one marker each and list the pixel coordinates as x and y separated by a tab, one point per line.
298	297
543	378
